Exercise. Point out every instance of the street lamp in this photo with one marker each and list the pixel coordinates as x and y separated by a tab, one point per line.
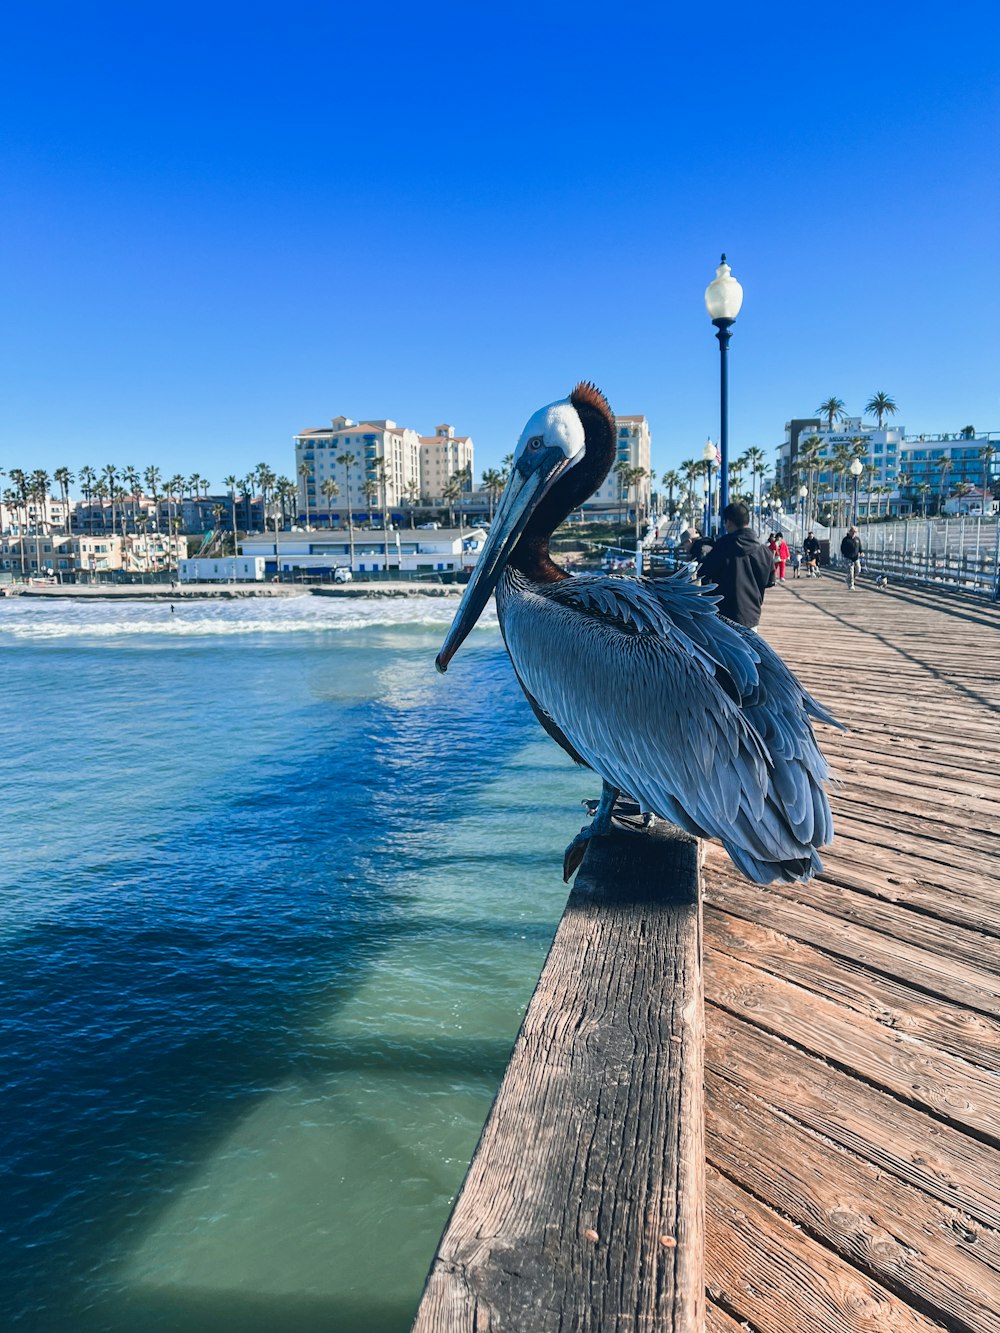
709	458
856	469
723	298
803	492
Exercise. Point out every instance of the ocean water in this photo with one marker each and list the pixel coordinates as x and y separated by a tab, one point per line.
274	897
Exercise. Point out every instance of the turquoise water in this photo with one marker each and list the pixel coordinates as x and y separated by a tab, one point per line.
275	895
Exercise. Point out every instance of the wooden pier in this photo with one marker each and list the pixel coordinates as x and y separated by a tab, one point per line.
852	1032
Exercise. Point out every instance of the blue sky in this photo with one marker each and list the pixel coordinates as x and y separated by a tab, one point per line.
222	223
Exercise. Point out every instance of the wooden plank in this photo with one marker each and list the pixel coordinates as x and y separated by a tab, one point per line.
764	1269
583	1206
917	965
930	1255
717	1321
955	1090
933	1157
885	1001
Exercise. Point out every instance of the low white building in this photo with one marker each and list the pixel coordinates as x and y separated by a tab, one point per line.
408	550
973	504
223	569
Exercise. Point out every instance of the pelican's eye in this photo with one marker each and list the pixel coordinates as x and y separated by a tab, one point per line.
535	442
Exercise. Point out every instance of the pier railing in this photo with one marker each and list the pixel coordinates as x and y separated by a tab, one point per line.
583	1206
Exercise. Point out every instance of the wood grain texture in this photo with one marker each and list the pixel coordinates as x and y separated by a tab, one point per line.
583	1206
768	1271
853	1024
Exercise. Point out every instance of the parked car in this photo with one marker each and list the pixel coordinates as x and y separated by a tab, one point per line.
428	527
342	574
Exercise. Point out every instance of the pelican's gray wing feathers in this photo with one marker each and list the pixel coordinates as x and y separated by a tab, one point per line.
692	716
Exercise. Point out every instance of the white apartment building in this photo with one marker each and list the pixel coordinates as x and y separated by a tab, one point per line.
881	457
367	441
442	455
48	516
633	448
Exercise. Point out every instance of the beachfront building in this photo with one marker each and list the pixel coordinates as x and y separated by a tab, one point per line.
633	449
406	550
903	474
48	515
935	466
37	553
879	451
442	455
377	447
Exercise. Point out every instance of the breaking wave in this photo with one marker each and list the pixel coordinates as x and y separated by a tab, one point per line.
38	619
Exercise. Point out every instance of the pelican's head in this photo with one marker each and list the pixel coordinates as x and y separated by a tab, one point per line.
553	442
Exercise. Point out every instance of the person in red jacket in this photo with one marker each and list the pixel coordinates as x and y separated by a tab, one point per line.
780	554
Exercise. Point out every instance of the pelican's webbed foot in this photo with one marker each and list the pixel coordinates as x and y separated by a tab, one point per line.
599	828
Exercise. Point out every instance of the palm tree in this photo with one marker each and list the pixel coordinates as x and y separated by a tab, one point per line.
347	461
672	480
944	467
689	470
882	406
808	460
506	463
175	492
232	482
412	493
64	479
634	476
87	478
986	453
152	480
382	481
493	485
111	476
305	472
833	410
286	492
923	487
757	463
621	471
249	488
330	491
370	489
452	492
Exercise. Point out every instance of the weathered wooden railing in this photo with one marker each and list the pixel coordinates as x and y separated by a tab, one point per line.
583	1206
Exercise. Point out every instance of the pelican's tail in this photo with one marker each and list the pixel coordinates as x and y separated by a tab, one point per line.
796	870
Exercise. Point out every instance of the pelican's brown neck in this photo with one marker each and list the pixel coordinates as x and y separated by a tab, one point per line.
531	554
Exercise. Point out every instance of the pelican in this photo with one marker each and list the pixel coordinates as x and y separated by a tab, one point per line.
693	717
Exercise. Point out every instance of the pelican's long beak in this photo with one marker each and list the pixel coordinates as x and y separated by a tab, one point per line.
530	480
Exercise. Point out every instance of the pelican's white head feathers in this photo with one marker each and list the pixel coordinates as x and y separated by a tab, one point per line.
557	425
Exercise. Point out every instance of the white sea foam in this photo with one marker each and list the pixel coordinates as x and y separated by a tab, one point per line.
31	619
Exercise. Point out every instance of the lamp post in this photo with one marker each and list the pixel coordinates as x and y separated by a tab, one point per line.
709	458
856	469
803	492
723	298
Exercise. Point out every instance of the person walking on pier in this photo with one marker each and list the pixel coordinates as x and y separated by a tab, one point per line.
780	554
740	566
810	549
850	549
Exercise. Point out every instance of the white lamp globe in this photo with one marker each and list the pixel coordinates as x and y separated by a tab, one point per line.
724	295
857	467
803	491
708	453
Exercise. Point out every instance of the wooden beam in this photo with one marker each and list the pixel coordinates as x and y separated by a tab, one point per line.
584	1203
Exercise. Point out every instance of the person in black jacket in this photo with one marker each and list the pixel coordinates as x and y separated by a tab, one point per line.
740	566
850	549
811	549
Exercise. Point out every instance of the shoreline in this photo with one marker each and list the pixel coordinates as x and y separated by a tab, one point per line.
208	591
